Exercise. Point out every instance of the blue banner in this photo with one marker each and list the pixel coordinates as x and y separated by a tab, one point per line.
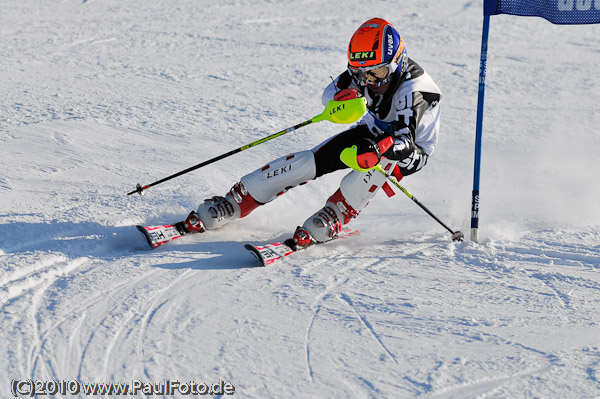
564	12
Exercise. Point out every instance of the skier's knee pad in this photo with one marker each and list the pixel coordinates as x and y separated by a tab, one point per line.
277	177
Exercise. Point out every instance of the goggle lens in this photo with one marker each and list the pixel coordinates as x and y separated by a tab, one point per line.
372	77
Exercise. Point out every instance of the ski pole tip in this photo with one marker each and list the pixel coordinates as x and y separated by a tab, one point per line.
458	236
138	189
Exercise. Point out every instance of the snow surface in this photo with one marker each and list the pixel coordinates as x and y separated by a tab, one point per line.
99	95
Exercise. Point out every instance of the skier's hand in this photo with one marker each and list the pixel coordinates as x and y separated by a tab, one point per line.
369	152
346	94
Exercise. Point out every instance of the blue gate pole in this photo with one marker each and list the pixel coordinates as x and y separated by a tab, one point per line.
479	131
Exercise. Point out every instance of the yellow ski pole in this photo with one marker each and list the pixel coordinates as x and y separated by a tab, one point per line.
336	111
348	156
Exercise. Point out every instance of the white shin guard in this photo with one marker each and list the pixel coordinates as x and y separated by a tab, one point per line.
257	188
355	192
277	177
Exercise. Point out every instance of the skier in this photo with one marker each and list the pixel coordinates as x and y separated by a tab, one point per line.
399	131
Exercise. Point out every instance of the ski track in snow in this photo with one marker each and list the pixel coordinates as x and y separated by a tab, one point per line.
100	95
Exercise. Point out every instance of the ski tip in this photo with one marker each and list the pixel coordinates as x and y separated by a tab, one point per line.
151	243
142	230
254	251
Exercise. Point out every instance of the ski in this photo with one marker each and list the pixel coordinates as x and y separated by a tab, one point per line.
267	254
159	235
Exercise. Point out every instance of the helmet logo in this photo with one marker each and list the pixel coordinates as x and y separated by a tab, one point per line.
399	52
390	50
362	56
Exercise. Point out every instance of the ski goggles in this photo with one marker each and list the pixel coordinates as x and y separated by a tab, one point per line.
376	75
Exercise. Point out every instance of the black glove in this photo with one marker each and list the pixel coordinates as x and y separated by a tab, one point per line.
403	146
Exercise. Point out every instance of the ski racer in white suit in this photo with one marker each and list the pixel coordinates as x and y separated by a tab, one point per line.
400	130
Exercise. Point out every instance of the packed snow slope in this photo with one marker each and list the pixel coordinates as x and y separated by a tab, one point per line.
99	95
